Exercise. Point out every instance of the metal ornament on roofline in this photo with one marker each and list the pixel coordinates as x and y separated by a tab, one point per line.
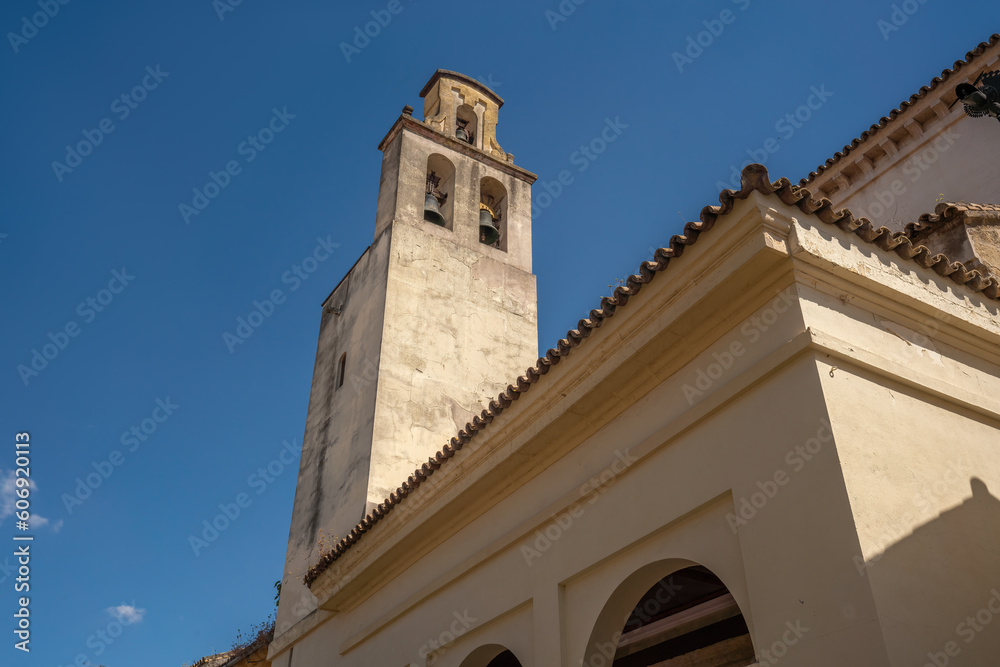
981	101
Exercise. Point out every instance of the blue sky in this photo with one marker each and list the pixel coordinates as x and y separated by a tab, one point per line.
140	391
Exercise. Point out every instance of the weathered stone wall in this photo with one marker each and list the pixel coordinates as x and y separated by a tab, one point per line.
331	492
461	317
460	325
985	240
434	325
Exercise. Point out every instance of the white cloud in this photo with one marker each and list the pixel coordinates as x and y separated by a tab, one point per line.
39	521
8	496
127	614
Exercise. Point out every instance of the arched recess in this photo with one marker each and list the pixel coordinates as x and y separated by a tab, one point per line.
493	198
440	182
667	613
467	125
491	655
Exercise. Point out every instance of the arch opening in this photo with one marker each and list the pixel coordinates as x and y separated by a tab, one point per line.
491	655
505	659
687	617
466	124
493	212
439	196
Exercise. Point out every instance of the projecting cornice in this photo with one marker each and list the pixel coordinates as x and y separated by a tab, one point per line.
922	114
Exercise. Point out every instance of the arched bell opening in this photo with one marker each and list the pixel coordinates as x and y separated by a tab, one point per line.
491	655
439	194
687	617
492	213
466	125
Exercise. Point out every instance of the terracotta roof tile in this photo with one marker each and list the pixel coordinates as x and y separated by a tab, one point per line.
948	211
753	178
874	129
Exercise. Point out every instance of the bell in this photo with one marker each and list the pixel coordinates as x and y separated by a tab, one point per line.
462	134
431	211
488	233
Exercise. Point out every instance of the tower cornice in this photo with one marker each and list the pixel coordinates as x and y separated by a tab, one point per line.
419	128
467	80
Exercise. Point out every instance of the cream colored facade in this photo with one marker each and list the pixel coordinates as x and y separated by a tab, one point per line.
804	405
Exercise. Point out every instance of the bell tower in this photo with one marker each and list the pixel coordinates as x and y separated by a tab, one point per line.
435	318
456	141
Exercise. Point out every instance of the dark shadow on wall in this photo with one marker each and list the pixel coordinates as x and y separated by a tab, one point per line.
943	578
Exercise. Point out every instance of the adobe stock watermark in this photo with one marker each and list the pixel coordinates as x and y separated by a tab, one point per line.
563	11
250	148
363	36
919	346
488	81
779	649
581	158
428	484
7	569
294	277
924	506
696	44
131	439
914	167
968	630
603	654
898	17
258	481
31	26
796	458
561	523
751	331
223	7
88	310
435	648
301	609
368	374
786	127
122	106
666	590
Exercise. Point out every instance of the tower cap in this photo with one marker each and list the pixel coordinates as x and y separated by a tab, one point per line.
469	81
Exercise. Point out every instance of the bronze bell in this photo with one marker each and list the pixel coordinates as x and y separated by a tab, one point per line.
431	211
462	135
488	232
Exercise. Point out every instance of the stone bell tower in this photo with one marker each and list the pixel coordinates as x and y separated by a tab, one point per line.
437	316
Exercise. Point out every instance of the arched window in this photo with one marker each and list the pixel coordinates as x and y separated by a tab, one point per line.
493	212
467	125
491	655
688	615
505	659
439	196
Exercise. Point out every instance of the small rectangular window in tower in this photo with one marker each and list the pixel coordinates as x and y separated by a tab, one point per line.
340	370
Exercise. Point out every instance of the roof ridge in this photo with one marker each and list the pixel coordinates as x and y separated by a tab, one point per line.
753	178
885	120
